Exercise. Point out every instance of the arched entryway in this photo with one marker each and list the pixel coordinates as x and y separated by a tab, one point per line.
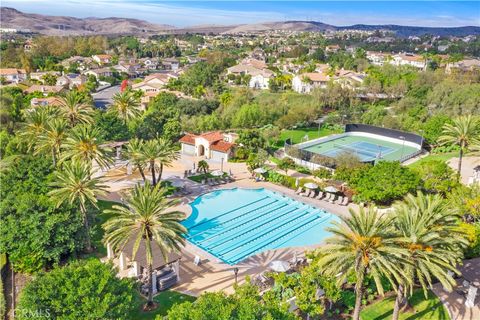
201	150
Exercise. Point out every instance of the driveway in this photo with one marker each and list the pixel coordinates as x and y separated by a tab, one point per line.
104	97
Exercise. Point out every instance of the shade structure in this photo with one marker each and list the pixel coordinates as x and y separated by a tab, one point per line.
311	185
217	173
260	170
279	266
331	189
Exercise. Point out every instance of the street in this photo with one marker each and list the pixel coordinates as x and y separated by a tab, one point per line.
104	97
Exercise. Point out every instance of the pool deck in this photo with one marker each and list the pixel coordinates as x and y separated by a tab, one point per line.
212	274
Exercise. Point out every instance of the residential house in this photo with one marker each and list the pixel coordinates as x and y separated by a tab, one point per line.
409	59
171	64
130	69
260	79
100	72
82	62
466	65
44	89
102	58
306	82
150	63
154	82
332	48
39	75
377	58
12	75
211	145
42	102
71	80
349	79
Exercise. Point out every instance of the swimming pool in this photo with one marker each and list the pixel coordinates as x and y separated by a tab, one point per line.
235	224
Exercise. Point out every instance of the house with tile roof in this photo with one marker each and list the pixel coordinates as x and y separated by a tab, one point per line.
12	75
306	82
211	145
102	58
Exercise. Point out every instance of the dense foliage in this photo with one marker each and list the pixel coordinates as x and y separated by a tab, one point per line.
84	289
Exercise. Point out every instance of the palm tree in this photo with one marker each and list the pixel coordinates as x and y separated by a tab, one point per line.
134	151
433	240
158	150
75	110
52	137
145	221
74	184
464	132
203	166
126	106
82	144
364	244
35	123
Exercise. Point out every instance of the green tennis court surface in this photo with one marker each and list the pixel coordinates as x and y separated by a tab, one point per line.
366	148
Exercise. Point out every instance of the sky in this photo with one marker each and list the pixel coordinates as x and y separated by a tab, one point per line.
339	13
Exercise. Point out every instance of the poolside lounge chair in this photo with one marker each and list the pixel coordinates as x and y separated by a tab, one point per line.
210	182
299	190
312	194
204	181
328	197
305	194
339	200
345	201
332	199
319	196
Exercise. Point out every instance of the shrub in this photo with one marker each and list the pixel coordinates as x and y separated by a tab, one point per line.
82	290
348	299
322	173
473	235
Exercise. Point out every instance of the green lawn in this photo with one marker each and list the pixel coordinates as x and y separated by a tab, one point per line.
200	177
298	134
436	156
165	300
430	309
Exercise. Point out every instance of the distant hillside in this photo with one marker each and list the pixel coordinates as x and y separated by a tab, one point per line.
58	25
405	31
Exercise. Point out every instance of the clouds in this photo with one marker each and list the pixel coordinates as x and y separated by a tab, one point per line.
420	13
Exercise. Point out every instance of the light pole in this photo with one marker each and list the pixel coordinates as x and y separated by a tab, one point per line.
403	146
221	165
235	270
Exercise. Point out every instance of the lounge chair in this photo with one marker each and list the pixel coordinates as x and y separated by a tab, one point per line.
204	181
319	196
345	201
339	200
306	193
210	182
328	197
299	190
312	194
332	199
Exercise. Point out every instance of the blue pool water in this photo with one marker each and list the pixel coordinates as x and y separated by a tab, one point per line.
234	224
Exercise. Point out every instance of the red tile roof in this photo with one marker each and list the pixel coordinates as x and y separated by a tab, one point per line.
188	139
221	146
212	136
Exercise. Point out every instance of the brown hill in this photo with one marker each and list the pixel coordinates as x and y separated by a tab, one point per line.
59	25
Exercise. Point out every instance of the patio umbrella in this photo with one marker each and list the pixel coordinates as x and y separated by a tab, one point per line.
217	173
279	266
311	185
331	189
260	170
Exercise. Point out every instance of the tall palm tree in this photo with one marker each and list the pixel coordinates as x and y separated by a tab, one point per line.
82	144
145	221
35	123
159	151
126	106
433	240
73	183
364	244
464	132
75	110
52	137
134	151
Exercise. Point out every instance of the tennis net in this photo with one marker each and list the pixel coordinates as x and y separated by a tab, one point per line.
357	151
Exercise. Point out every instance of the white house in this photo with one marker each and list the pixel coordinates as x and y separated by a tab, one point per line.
376	58
171	64
407	59
306	82
102	58
212	145
154	82
12	75
101	72
71	80
260	79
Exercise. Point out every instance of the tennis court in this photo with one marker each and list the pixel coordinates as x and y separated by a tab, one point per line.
366	148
